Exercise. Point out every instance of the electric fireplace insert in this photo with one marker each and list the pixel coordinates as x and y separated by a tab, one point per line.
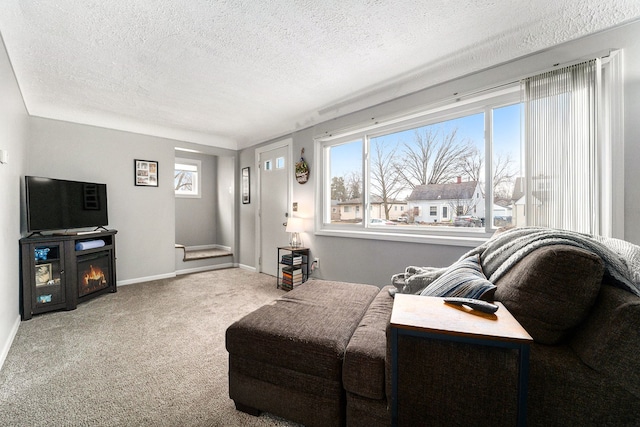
94	273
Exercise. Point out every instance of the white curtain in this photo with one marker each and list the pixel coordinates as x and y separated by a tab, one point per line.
562	153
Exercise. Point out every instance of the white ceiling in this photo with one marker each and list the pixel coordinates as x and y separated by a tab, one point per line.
232	73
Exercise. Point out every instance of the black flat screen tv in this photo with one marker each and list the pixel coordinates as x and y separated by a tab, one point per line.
56	204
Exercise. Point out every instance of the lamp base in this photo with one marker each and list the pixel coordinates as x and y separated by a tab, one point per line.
295	241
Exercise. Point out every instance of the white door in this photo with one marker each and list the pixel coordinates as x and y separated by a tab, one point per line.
275	174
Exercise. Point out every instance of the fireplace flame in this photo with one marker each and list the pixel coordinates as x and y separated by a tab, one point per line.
93	275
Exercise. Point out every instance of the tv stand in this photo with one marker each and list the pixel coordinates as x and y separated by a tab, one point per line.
56	276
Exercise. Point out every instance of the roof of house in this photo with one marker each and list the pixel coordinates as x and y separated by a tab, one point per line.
451	191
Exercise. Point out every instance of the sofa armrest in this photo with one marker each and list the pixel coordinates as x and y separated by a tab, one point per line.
363	371
609	339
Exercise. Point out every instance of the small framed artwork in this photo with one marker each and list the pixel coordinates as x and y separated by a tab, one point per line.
145	173
246	192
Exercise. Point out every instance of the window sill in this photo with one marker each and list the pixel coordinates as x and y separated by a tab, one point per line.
462	238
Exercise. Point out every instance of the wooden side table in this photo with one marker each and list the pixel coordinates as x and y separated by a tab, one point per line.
432	318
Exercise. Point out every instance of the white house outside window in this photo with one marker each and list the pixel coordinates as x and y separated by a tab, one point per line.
187	177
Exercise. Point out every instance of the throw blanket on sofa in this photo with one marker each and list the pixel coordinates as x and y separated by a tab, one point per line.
500	253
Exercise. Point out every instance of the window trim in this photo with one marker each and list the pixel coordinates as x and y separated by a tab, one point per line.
198	164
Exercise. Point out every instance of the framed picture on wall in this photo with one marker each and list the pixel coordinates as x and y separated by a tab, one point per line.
145	173
246	191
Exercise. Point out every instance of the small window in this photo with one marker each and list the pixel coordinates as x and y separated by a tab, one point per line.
187	178
268	165
280	163
433	210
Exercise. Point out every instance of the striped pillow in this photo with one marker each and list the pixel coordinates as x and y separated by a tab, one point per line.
462	279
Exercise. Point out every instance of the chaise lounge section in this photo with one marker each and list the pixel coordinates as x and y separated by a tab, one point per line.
286	357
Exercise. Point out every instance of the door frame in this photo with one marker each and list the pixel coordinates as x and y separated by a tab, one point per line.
288	142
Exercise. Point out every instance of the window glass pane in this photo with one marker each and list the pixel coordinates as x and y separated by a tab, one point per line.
186	178
280	163
345	172
508	194
430	169
267	165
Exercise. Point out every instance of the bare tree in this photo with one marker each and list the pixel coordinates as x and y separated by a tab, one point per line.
183	180
503	176
433	158
353	184
503	173
462	206
386	182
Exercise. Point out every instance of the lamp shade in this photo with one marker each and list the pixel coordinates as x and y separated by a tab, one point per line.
294	225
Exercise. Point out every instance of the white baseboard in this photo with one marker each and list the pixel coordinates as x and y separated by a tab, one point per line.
205	268
247	267
145	279
7	345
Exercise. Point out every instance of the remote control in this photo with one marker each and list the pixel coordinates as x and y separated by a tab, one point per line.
475	304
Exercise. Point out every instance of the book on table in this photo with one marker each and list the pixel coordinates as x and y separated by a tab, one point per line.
291	276
291	259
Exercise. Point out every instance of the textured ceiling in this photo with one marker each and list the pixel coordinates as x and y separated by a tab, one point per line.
234	73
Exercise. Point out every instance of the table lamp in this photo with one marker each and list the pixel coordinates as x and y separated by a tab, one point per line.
294	226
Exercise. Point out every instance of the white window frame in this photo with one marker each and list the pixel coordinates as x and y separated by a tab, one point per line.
196	192
462	236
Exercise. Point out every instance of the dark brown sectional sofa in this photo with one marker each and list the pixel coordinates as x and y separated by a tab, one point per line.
319	355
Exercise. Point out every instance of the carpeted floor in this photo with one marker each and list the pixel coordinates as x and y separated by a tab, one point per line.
151	354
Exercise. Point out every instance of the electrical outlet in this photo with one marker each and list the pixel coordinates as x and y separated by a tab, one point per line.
316	261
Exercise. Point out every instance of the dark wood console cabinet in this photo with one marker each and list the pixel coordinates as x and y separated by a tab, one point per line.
58	274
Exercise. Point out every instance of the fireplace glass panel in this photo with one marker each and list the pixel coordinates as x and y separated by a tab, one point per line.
93	273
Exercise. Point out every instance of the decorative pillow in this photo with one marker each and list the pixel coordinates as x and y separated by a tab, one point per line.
551	290
462	279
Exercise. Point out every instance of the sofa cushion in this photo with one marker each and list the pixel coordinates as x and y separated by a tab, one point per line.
363	371
551	290
609	339
306	330
462	279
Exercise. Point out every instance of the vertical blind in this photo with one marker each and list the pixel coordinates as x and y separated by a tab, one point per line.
562	166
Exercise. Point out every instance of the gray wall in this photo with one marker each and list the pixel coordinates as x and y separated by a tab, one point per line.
13	139
226	201
247	212
197	218
143	216
375	261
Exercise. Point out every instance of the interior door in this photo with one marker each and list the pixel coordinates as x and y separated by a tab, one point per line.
275	175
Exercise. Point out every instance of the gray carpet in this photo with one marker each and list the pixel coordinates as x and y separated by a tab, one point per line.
151	354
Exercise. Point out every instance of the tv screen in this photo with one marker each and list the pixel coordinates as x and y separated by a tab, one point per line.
56	204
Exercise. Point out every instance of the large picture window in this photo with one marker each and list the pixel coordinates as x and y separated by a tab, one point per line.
407	173
461	169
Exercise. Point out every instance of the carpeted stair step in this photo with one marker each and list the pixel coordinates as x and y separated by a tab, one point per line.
197	254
